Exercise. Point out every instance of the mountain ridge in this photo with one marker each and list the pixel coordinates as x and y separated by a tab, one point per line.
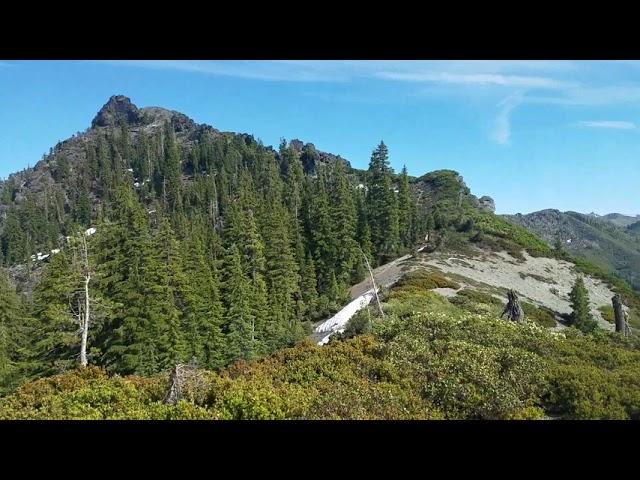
597	239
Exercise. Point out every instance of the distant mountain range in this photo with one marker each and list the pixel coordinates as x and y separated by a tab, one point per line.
618	218
611	241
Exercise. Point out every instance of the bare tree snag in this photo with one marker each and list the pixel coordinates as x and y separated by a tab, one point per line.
174	393
185	378
86	313
512	309
621	324
373	284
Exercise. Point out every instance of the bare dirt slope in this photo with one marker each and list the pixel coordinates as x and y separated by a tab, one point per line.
541	281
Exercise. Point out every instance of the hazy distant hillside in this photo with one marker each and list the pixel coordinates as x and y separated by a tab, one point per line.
634	228
620	219
597	239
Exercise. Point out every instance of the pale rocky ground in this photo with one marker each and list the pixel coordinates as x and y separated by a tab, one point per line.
540	281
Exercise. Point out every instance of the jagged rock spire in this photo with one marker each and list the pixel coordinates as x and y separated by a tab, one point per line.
118	109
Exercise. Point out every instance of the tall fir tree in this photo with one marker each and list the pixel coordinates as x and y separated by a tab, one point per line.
343	212
322	242
16	331
406	213
202	310
382	205
581	316
241	329
55	302
171	171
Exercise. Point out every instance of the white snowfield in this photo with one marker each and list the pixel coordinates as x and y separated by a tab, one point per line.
339	321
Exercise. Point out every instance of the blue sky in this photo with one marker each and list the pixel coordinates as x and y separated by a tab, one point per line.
531	134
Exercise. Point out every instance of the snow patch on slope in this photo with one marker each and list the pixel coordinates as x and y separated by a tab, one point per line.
339	321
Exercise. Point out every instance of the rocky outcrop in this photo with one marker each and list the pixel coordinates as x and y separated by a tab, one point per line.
297	145
443	187
311	157
117	110
487	204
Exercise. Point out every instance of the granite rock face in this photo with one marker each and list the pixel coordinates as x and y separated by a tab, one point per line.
117	110
486	203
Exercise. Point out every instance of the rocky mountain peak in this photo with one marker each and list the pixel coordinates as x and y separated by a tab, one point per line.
487	203
118	109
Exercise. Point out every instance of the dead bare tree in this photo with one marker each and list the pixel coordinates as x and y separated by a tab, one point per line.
618	311
86	276
184	378
81	264
512	309
373	284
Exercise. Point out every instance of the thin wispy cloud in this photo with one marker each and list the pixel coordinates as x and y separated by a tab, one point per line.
478	79
500	73
558	84
501	133
592	96
258	70
615	124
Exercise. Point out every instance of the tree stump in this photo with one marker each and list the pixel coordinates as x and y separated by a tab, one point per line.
174	393
621	324
512	309
185	378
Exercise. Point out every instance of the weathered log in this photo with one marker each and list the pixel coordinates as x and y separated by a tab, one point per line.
512	309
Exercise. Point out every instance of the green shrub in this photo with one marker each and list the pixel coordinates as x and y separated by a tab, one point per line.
476	301
607	313
541	315
427	359
423	279
499	233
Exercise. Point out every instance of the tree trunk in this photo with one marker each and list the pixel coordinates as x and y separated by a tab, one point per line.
87	301
85	322
373	284
621	324
512	309
173	395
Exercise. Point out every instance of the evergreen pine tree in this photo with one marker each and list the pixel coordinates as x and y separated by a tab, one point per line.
308	287
405	210
172	171
15	333
55	302
347	257
322	241
202	309
382	205
165	296
132	332
581	316
240	325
